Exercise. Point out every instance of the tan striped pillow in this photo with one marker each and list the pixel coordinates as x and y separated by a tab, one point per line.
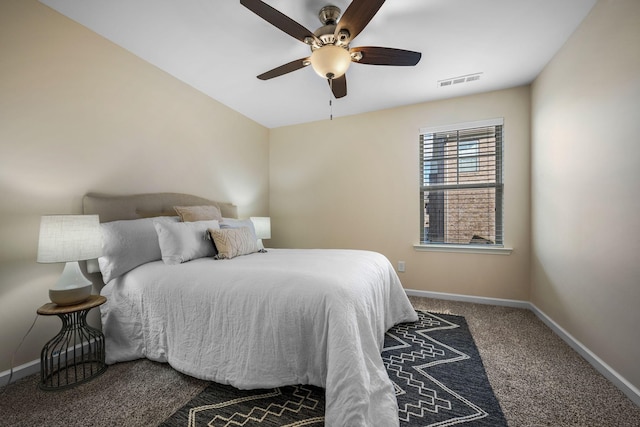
233	242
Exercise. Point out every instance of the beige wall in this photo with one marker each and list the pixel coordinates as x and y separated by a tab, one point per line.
354	183
586	186
80	114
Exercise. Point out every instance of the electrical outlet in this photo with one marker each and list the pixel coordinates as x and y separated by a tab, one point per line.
401	266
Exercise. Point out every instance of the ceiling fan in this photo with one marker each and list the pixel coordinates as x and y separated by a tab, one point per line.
330	51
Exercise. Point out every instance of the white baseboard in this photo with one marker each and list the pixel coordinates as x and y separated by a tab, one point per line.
468	298
19	372
607	371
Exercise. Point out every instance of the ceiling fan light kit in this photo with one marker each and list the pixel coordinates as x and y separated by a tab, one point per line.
331	55
330	61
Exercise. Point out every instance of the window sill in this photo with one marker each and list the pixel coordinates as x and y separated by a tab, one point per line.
469	249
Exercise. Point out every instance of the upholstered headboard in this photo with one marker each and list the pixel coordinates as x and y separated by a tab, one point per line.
112	208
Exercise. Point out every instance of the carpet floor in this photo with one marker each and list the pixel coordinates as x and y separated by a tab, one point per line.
537	379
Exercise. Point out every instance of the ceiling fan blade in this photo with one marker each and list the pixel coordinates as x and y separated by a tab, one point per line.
357	16
339	86
284	69
386	56
278	19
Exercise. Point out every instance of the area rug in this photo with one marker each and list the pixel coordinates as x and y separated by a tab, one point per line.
433	363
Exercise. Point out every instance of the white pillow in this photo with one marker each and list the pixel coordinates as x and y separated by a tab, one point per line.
183	241
127	244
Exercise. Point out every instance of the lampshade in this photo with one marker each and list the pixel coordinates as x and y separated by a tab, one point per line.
262	224
69	239
330	61
65	238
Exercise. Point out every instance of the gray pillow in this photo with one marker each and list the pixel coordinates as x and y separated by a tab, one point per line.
127	244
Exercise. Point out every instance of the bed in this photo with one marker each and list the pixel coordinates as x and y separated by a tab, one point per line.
260	319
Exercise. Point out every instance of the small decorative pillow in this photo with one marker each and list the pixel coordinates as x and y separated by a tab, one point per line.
127	244
183	241
198	213
233	242
238	223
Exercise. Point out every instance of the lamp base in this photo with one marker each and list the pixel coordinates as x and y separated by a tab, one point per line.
72	287
70	296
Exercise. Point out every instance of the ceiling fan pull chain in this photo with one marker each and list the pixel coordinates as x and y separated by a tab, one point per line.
330	110
330	100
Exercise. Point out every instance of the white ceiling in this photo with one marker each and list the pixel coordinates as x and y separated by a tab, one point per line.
219	47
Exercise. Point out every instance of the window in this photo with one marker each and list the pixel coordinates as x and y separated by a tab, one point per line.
461	184
468	156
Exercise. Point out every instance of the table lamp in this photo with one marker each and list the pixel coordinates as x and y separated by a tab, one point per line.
262	225
69	239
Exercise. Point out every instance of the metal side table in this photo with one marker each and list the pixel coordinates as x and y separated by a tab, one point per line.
76	354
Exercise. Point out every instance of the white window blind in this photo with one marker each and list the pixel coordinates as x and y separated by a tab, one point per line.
461	186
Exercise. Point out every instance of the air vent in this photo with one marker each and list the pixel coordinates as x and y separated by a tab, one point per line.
460	79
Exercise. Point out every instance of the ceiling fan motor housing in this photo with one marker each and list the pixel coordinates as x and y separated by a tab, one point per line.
326	36
329	16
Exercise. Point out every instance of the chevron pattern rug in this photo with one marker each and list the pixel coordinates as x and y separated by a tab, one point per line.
433	363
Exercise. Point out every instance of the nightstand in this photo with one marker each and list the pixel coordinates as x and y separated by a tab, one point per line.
76	354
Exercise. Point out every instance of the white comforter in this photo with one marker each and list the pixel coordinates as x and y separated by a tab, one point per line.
266	320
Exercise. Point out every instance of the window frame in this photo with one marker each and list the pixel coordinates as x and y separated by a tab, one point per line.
497	247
